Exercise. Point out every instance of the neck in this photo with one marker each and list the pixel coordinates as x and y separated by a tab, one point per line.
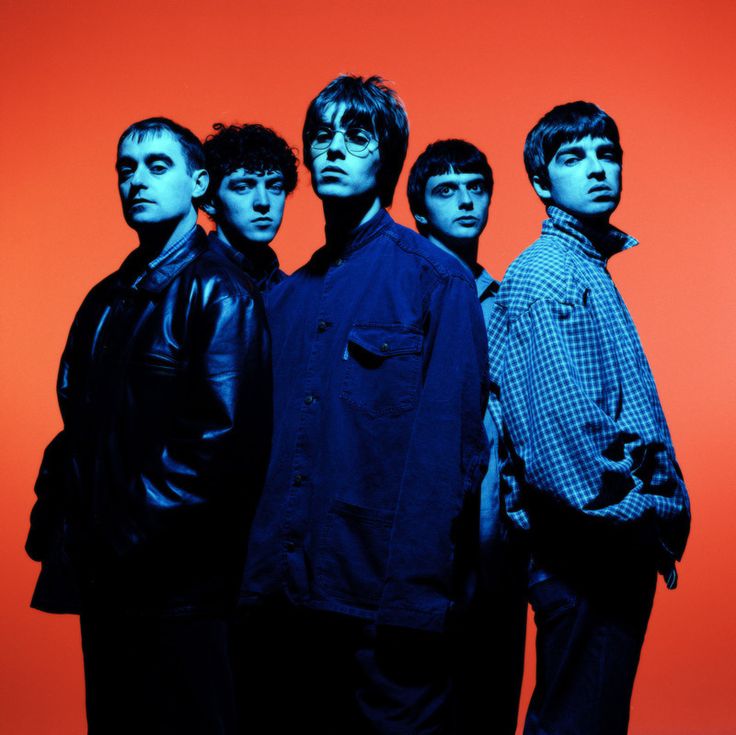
344	216
235	240
155	238
466	251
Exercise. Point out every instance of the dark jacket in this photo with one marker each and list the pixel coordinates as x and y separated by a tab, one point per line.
164	390
379	390
261	263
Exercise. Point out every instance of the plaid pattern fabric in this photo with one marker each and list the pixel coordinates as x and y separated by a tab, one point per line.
573	393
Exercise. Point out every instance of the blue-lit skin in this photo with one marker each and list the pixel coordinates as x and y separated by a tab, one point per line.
456	213
584	179
156	189
345	181
248	207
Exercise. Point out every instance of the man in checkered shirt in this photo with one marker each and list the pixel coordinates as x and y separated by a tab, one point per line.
589	474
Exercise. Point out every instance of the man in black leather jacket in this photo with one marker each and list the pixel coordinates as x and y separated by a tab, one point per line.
145	496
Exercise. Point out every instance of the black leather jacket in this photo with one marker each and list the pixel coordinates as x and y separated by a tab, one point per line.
145	496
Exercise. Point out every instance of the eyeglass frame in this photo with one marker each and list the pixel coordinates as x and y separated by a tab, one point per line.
335	131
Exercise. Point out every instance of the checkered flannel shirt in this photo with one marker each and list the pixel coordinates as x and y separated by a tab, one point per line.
573	393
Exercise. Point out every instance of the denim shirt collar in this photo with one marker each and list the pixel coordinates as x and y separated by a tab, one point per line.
361	236
595	246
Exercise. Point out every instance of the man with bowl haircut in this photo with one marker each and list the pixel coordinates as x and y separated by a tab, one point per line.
450	188
355	558
144	497
590	475
252	171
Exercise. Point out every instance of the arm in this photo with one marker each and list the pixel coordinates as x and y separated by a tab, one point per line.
446	457
582	429
216	444
47	515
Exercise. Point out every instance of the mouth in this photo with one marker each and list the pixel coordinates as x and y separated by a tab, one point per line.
262	221
332	170
600	189
467	221
134	202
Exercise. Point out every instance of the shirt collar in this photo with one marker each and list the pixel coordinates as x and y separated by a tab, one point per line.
486	285
359	237
595	245
260	263
154	275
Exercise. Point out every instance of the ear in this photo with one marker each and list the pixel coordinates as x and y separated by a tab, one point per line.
542	189
419	218
209	208
201	181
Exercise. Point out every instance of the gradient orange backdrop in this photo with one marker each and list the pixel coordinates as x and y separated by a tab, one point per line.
76	73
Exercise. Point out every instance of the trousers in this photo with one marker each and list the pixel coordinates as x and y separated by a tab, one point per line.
299	670
590	631
157	676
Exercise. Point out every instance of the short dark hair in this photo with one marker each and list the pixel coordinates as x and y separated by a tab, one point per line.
251	147
190	143
565	124
440	158
370	103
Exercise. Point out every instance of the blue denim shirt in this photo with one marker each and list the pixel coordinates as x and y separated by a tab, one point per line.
379	389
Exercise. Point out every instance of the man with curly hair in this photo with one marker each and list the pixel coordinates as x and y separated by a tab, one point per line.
252	171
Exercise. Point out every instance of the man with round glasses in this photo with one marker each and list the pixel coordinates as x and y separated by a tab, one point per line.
355	561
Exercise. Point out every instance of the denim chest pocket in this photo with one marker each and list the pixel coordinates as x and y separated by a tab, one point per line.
383	365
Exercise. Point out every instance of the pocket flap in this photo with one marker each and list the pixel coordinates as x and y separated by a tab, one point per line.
385	340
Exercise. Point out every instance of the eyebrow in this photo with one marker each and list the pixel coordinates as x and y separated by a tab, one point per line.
151	157
441	184
577	148
569	148
249	175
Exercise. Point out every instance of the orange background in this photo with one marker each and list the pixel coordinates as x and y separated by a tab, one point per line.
78	72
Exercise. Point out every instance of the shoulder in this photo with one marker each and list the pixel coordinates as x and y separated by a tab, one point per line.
427	256
221	278
545	271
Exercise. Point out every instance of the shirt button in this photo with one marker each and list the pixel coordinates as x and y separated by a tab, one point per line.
384	347
321	325
298	479
309	399
339	261
290	546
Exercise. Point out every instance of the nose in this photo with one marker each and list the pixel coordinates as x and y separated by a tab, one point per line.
465	200
595	168
137	179
337	146
260	199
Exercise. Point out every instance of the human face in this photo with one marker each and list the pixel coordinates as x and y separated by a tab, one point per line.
456	207
584	179
336	172
154	184
250	206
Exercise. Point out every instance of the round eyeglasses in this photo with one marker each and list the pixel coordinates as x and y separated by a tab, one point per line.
356	139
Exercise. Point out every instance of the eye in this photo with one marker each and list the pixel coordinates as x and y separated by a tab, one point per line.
124	172
158	168
477	188
608	156
444	191
358	136
322	136
569	160
277	187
